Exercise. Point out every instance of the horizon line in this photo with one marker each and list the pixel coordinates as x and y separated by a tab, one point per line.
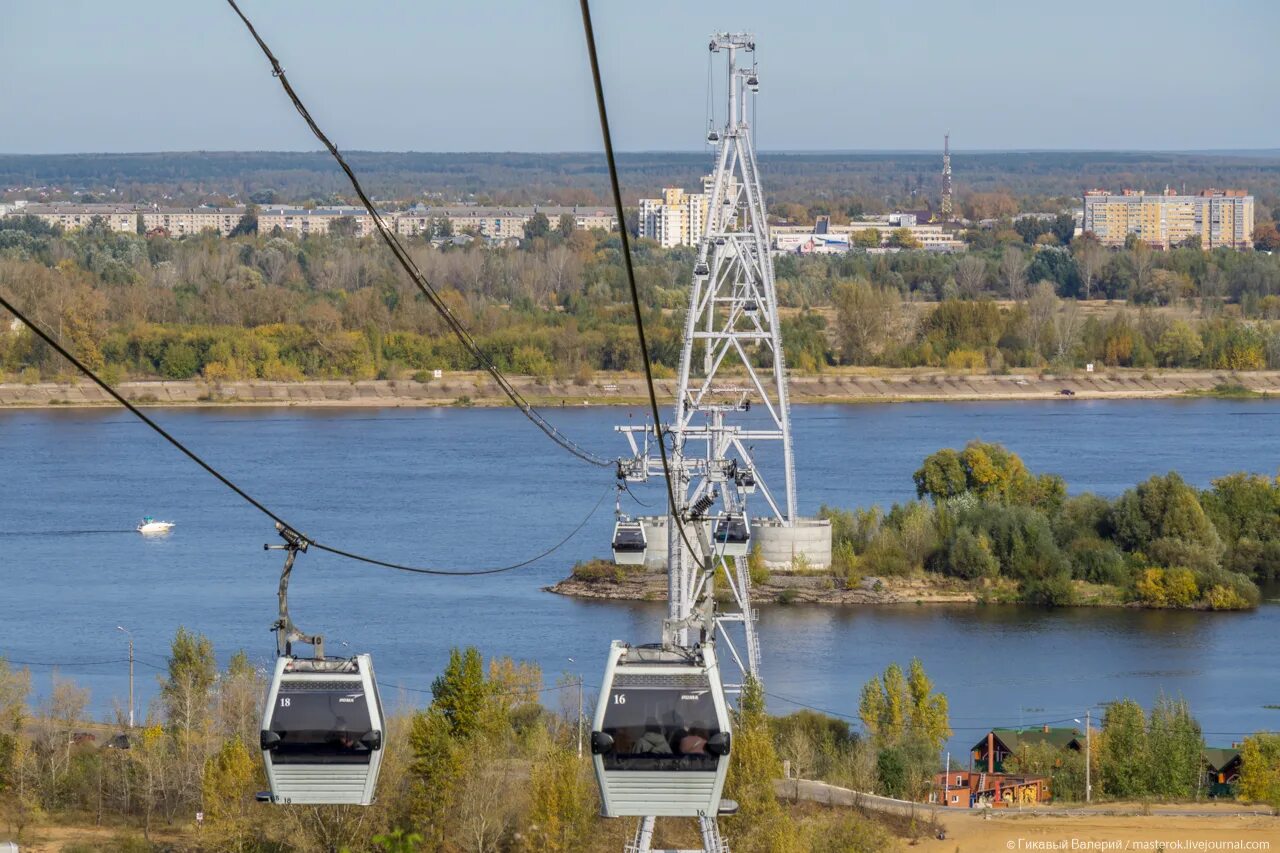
661	151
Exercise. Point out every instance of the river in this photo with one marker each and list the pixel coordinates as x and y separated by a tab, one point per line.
470	488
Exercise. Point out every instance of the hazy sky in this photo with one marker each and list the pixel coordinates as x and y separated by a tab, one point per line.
152	75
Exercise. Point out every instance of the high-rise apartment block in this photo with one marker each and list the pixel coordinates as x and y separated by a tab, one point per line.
679	218
1220	218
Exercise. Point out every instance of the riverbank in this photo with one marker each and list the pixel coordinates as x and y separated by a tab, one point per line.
476	388
823	589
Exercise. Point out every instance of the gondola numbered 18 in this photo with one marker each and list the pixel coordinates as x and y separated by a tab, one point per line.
322	723
661	735
322	731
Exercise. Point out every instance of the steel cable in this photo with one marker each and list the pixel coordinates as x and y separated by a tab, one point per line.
411	268
588	30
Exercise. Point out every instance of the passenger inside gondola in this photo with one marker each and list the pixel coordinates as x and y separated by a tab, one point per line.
320	726
660	729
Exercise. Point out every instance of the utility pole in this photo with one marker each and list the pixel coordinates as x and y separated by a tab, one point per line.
1088	758
129	634
571	660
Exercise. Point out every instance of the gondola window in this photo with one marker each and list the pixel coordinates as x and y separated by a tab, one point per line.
660	729
321	727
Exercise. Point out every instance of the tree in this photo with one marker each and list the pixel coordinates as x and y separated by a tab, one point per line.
248	223
1124	759
15	686
1260	769
567	224
459	693
563	803
902	238
1177	750
990	472
1179	345
1266	237
231	777
867	238
344	226
864	317
1042	306
1090	257
760	823
1013	272
1064	227
537	226
1163	519
1067	324
971	276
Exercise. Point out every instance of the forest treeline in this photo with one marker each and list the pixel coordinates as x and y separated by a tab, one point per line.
491	764
984	518
843	182
280	308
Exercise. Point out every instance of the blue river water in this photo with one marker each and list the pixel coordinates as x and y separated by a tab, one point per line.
471	488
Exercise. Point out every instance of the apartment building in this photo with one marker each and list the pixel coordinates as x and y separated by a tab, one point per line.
679	218
118	217
181	221
499	223
1220	218
307	221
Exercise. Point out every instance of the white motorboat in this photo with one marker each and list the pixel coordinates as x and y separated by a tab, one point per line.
150	527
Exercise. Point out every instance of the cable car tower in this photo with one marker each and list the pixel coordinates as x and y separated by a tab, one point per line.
731	359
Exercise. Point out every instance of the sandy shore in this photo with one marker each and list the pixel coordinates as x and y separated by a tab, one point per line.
478	389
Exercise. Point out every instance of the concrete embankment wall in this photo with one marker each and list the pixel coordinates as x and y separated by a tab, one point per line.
604	389
832	795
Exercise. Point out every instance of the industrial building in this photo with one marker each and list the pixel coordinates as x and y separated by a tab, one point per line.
1220	218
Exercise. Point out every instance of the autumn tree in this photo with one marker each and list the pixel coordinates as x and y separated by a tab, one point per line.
1013	272
1090	257
1260	769
760	825
864	319
907	723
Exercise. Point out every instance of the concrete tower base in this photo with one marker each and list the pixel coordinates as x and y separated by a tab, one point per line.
780	546
808	542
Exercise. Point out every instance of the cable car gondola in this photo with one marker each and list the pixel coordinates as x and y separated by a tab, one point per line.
746	480
661	735
322	731
629	542
322	723
731	534
701	269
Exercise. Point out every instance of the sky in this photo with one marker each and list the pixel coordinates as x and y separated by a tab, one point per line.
512	75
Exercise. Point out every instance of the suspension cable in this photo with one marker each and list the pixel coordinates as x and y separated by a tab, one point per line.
415	274
630	267
248	498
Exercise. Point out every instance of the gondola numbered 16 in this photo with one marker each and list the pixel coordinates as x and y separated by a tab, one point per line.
322	723
661	735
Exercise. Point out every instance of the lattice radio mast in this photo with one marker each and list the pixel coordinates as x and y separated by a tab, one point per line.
946	177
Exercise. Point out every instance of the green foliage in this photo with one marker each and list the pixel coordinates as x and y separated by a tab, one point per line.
989	472
760	823
1064	767
907	724
1177	749
1124	757
1162	517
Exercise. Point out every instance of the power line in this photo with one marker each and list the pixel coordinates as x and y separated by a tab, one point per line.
254	502
402	256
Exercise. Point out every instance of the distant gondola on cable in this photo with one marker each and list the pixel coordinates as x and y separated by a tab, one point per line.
322	723
701	269
629	542
731	534
746	480
661	735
